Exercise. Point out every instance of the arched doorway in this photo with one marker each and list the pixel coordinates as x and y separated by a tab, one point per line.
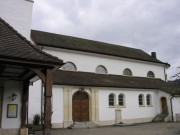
80	106
164	107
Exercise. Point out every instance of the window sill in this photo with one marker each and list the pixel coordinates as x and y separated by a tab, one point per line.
141	105
112	106
149	105
121	106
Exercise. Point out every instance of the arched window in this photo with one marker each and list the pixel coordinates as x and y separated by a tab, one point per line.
121	99
141	100
127	72
69	66
101	69
148	100
111	99
150	74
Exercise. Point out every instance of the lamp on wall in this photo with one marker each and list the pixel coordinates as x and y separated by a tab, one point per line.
13	96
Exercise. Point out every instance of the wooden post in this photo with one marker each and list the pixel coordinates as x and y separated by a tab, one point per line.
48	105
24	129
24	104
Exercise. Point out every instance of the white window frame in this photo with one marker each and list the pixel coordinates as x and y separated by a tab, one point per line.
114	100
123	100
141	105
150	100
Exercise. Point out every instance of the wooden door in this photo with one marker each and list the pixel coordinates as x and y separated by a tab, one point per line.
80	107
164	105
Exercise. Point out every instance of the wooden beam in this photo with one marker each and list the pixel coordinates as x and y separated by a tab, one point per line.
24	104
48	104
48	83
41	75
26	74
2	67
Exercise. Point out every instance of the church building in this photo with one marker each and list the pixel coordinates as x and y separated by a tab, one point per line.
70	81
105	84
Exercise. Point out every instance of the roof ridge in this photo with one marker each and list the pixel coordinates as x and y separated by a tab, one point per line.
27	41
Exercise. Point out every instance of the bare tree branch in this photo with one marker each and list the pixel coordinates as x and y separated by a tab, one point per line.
177	75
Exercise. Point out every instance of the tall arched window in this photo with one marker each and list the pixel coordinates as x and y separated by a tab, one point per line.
69	66
121	99
111	99
141	100
148	100
150	74
127	72
101	69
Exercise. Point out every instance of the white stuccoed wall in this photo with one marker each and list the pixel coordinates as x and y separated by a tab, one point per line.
34	106
132	110
11	87
58	107
18	13
35	102
88	62
176	106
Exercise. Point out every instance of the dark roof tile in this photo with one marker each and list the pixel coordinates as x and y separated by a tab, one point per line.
115	81
73	43
14	46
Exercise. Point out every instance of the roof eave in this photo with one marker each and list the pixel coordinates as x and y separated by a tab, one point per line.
30	62
40	44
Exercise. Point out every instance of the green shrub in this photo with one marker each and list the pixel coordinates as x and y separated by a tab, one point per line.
36	119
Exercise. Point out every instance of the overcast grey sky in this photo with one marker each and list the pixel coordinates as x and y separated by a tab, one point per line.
150	25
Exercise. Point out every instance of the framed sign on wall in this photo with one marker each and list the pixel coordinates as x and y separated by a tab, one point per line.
12	110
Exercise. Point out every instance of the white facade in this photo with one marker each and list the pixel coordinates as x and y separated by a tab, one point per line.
88	62
11	87
35	100
99	110
10	125
18	13
131	112
104	114
176	108
57	106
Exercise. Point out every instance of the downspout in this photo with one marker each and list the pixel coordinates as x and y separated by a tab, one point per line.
42	103
172	108
27	107
165	75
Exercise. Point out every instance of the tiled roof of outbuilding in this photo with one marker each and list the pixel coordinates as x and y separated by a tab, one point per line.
15	47
79	44
115	81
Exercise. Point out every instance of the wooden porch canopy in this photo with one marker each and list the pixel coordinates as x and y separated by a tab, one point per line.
21	60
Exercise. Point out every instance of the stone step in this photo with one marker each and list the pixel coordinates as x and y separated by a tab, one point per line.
83	125
159	118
